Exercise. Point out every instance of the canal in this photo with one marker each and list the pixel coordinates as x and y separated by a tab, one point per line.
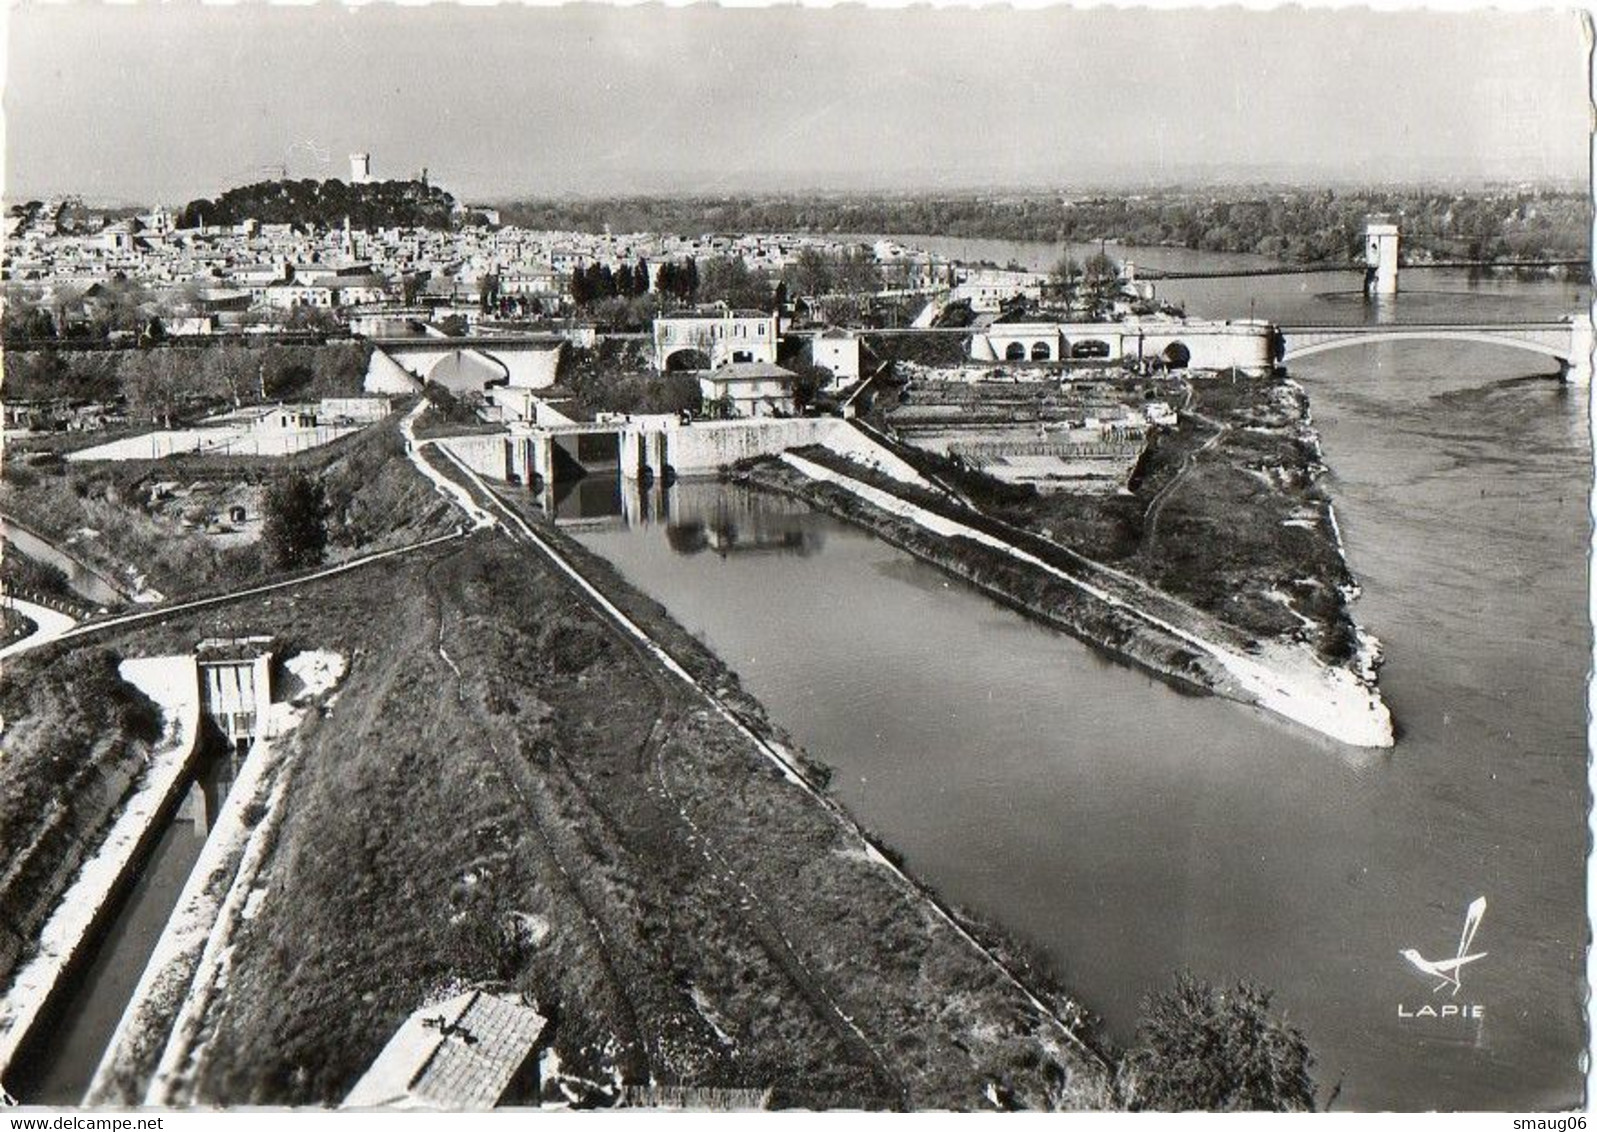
1127	830
58	1062
84	581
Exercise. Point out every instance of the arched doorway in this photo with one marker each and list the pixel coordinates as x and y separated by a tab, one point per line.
1176	355
1089	348
1015	352
686	361
1041	352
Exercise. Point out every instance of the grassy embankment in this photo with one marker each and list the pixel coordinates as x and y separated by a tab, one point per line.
14	625
928	349
75	733
1224	512
74	741
509	790
1024	587
375	501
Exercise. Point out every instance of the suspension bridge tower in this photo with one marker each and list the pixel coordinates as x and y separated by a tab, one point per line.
1380	256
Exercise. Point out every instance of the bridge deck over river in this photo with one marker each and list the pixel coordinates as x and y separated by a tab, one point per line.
1568	340
1156	274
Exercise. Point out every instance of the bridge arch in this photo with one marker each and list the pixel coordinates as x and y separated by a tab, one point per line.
1363	338
1041	352
1015	352
1177	355
463	371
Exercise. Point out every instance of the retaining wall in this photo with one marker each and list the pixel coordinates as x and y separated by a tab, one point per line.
173	683
699	449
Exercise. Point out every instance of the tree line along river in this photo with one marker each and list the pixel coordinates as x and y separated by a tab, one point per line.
1127	830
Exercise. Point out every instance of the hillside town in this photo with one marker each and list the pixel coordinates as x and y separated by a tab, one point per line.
806	648
208	278
769	324
68	268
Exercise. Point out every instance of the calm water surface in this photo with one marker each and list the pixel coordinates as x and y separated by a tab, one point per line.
1128	830
58	1064
80	577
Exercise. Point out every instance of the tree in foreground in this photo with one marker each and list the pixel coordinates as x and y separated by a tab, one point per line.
809	381
295	530
1100	278
1215	1049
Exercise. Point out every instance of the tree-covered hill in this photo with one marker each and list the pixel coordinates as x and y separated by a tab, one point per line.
324	204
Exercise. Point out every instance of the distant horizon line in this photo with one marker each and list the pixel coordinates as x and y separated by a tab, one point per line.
1569	183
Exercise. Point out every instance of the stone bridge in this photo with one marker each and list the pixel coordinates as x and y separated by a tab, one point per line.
468	363
1569	340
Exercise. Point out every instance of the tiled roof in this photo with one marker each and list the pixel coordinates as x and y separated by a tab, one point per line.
748	371
458	1054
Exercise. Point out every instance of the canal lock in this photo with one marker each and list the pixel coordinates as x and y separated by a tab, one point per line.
58	1060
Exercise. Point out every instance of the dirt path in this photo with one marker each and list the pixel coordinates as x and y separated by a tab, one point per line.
662	1043
1155	508
534	803
48	625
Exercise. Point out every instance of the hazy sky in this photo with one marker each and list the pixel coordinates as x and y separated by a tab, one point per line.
166	103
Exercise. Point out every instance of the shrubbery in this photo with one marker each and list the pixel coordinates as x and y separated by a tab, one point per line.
617	378
326	204
571	644
29	575
87	701
1201	1047
295	531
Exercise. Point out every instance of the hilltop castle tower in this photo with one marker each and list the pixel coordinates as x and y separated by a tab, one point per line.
360	168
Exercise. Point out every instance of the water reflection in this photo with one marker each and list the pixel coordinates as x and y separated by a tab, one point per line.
602	500
698	516
705	517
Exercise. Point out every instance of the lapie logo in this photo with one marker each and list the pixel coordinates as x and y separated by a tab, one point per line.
1448	972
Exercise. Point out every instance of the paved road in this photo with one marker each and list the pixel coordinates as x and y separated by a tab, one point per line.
48	625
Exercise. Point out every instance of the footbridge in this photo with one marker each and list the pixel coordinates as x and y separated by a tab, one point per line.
1569	340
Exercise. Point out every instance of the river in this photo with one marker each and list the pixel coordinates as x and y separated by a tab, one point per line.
1127	830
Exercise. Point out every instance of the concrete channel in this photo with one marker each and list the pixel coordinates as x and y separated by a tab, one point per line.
65	1003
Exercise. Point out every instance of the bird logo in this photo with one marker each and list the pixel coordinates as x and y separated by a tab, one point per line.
1450	971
